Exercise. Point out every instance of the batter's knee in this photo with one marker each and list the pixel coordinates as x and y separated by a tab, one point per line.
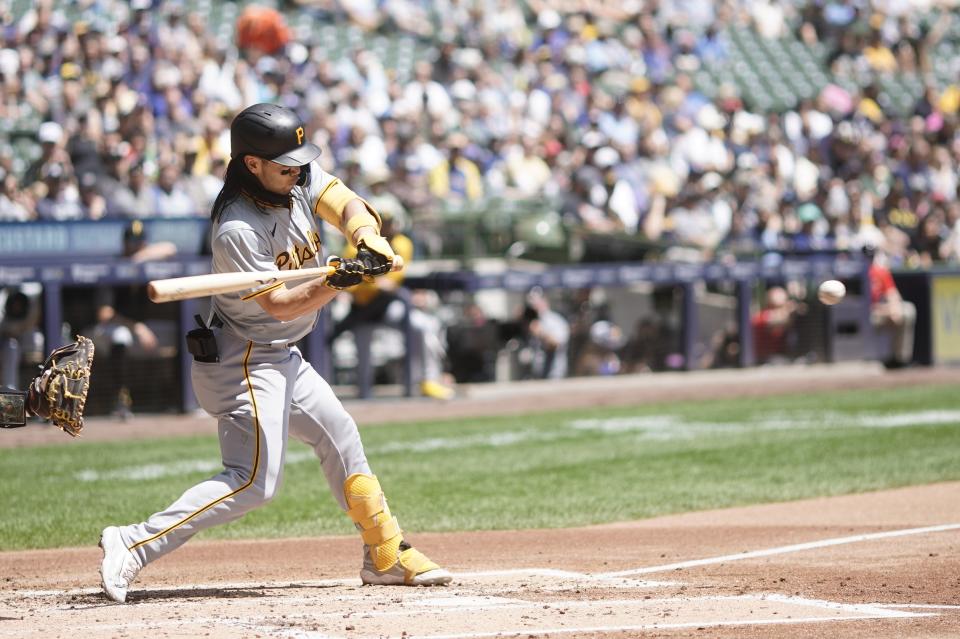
255	493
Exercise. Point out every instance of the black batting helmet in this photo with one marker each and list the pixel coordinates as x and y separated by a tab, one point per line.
272	132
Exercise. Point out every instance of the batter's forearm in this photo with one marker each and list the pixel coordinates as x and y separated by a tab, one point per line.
287	304
358	222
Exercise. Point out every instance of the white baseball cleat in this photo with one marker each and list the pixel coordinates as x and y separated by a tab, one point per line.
119	566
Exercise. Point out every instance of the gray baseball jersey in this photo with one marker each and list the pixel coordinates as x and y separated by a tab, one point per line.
252	237
262	387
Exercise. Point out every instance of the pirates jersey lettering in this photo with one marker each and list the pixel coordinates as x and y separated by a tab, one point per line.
299	254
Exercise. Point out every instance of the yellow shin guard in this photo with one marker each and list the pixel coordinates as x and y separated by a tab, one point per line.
369	511
389	559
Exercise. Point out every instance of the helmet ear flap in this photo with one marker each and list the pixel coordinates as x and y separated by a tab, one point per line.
304	178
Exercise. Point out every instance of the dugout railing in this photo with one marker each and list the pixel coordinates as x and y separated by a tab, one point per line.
68	286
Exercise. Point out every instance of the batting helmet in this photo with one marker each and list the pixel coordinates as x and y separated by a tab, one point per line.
272	132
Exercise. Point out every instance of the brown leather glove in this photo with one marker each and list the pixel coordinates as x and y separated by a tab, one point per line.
59	392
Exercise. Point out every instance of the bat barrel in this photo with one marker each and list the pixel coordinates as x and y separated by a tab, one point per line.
181	288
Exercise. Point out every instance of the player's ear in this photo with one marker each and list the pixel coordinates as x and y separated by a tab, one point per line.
252	163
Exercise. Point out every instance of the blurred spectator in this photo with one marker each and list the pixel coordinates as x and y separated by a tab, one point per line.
83	147
811	234
696	231
50	136
601	353
60	199
527	171
927	244
723	351
114	335
15	205
456	177
386	203
647	347
424	96
892	315
138	248
383	301
171	199
133	196
950	249
545	336
21	339
412	191
93	205
473	344
768	18
773	326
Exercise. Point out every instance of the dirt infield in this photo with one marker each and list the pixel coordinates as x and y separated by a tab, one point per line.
883	564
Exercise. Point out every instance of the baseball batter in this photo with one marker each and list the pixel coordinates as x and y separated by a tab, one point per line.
247	371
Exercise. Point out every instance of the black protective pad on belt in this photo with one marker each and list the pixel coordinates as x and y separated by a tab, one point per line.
13	409
202	344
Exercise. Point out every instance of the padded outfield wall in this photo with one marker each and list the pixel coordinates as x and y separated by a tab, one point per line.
703	311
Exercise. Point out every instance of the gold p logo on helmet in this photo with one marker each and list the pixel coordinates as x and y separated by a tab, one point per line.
299	135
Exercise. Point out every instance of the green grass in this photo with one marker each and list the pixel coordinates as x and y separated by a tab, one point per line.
545	470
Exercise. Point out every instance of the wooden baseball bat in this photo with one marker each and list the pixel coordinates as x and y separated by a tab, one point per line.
181	288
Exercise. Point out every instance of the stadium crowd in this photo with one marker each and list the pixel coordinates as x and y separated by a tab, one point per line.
592	105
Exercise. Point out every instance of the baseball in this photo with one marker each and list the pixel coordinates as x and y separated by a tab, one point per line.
831	292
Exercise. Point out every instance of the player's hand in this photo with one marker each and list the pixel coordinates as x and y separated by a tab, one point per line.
375	254
349	272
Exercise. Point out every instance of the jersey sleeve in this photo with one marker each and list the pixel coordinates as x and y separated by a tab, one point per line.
328	196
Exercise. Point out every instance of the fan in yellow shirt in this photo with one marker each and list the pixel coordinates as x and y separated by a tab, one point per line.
384	301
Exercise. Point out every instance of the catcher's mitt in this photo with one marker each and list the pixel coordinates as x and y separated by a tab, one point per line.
59	392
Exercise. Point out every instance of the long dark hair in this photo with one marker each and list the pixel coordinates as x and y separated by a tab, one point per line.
232	185
238	179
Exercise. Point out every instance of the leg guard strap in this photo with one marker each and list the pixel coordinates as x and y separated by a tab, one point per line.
414	563
363	510
384	532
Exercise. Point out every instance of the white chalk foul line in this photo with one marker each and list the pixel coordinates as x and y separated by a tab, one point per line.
918	606
526	632
558	575
767	552
856	612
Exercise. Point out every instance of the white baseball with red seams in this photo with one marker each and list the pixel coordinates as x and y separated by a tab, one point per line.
831	292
